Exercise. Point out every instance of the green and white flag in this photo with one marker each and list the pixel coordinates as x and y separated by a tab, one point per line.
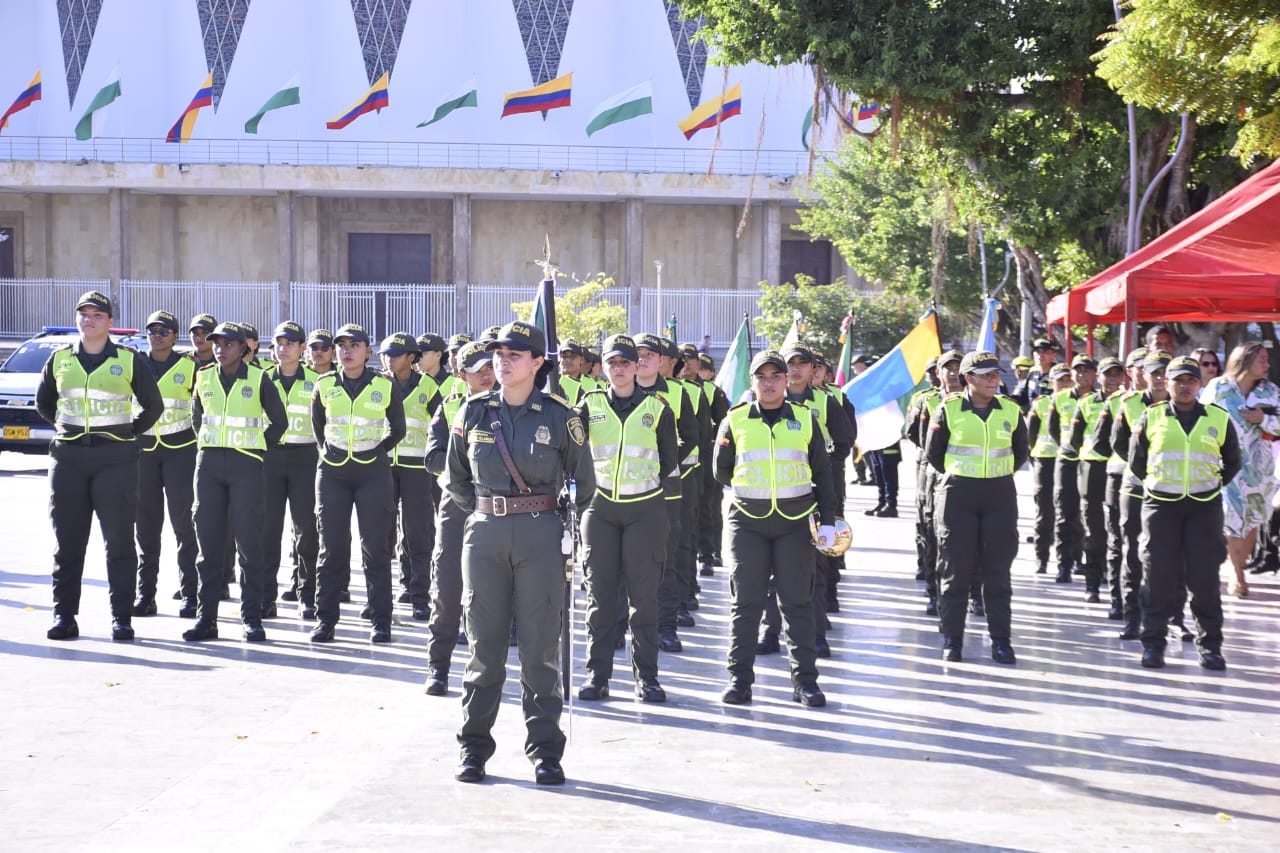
633	103
735	373
85	128
286	97
463	96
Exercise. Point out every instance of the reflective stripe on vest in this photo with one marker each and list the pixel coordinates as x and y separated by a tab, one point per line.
297	403
977	448
674	397
1089	411
1115	404
1046	446
93	402
772	464
176	386
234	420
695	405
1065	403
1181	465
624	453
354	426
411	452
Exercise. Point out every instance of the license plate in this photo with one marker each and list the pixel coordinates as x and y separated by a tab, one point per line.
12	433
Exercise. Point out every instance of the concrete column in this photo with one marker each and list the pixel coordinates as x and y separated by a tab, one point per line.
169	238
772	249
118	227
286	251
633	254
44	259
461	260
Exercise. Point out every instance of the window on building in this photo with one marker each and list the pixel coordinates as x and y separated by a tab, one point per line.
811	259
389	258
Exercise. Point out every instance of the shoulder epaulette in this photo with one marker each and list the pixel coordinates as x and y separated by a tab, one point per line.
561	400
209	365
740	405
477	397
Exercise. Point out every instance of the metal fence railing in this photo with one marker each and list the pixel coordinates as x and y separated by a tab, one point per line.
380	308
699	312
27	304
256	302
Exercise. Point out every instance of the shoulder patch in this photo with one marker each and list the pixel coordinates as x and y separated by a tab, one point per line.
561	400
576	432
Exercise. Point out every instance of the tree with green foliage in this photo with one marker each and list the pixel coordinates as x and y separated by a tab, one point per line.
581	312
878	324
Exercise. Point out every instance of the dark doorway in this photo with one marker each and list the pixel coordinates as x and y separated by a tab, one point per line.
811	259
8	246
385	259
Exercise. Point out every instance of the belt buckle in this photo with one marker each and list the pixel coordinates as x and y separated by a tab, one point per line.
499	506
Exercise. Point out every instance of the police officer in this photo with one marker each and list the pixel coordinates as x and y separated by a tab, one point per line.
510	453
710	515
915	428
1044	458
202	348
1116	464
232	399
633	445
1037	382
670	365
673	593
475	367
252	343
951	384
1066	486
289	473
571	364
1184	452
419	396
976	441
455	382
320	351
357	419
1091	437
432	359
772	455
166	468
87	391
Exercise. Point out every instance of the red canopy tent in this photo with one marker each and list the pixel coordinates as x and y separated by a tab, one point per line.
1222	263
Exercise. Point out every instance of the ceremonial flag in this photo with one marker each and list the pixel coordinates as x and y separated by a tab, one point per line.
374	99
795	333
843	367
805	127
286	97
186	123
710	113
866	111
633	103
29	96
86	128
549	96
734	377
465	96
987	331
880	393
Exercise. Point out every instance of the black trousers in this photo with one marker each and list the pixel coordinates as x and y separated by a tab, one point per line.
625	548
777	549
884	467
1093	499
977	523
166	476
411	494
1042	468
446	585
710	513
1182	543
772	619
687	552
229	496
1115	541
289	472
835	566
1066	505
87	480
671	592
930	490
366	489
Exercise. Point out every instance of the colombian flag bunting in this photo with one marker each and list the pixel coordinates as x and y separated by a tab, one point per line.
29	96
186	123
711	113
374	99
549	96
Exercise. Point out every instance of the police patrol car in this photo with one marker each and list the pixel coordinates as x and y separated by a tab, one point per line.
24	431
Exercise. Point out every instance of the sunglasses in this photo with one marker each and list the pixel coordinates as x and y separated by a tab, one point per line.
160	333
321	347
1209	364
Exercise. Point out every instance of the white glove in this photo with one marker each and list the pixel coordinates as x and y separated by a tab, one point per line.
826	536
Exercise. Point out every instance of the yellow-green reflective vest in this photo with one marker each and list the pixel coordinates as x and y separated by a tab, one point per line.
97	403
674	397
977	448
1115	404
176	386
1181	465
1132	406
696	402
411	452
1089	410
236	419
354	426
573	389
771	463
1065	403
1046	446
297	402
624	453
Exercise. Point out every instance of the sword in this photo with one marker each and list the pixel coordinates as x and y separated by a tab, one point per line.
569	545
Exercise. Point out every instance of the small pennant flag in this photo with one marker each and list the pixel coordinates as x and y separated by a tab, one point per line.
710	113
29	96
549	96
633	103
186	123
464	96
805	127
374	99
735	373
86	128
289	96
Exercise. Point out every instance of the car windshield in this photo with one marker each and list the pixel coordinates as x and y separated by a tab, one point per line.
31	356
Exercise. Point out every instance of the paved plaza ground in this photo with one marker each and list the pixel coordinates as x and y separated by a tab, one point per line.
223	746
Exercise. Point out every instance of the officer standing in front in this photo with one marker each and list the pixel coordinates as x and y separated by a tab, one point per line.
633	445
976	441
1184	452
166	467
773	457
357	418
510	454
232	399
87	391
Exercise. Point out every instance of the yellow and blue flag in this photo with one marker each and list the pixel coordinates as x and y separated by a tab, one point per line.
880	393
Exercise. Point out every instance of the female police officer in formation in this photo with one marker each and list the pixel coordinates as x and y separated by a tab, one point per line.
633	445
87	391
475	366
357	418
1183	452
510	453
772	455
976	441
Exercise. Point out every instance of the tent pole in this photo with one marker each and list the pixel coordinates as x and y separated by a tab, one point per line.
1089	341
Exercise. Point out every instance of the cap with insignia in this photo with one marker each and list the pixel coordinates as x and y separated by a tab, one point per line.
931	364
619	346
769	356
669	348
688	352
1022	361
228	331
1135	357
490	333
352	332
1156	359
290	331
472	356
519	335
455	341
205	322
161	318
799	350
250	331
950	356
1109	363
1183	366
399	343
1044	343
571	347
649	341
1059	371
320	336
705	361
1085	361
592	354
979	363
429	342
94	299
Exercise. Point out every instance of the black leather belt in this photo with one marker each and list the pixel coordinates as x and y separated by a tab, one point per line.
499	505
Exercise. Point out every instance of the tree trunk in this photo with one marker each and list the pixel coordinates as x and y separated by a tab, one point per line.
1176	205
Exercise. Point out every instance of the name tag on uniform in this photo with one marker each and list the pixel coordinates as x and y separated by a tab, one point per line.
479	436
542	435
